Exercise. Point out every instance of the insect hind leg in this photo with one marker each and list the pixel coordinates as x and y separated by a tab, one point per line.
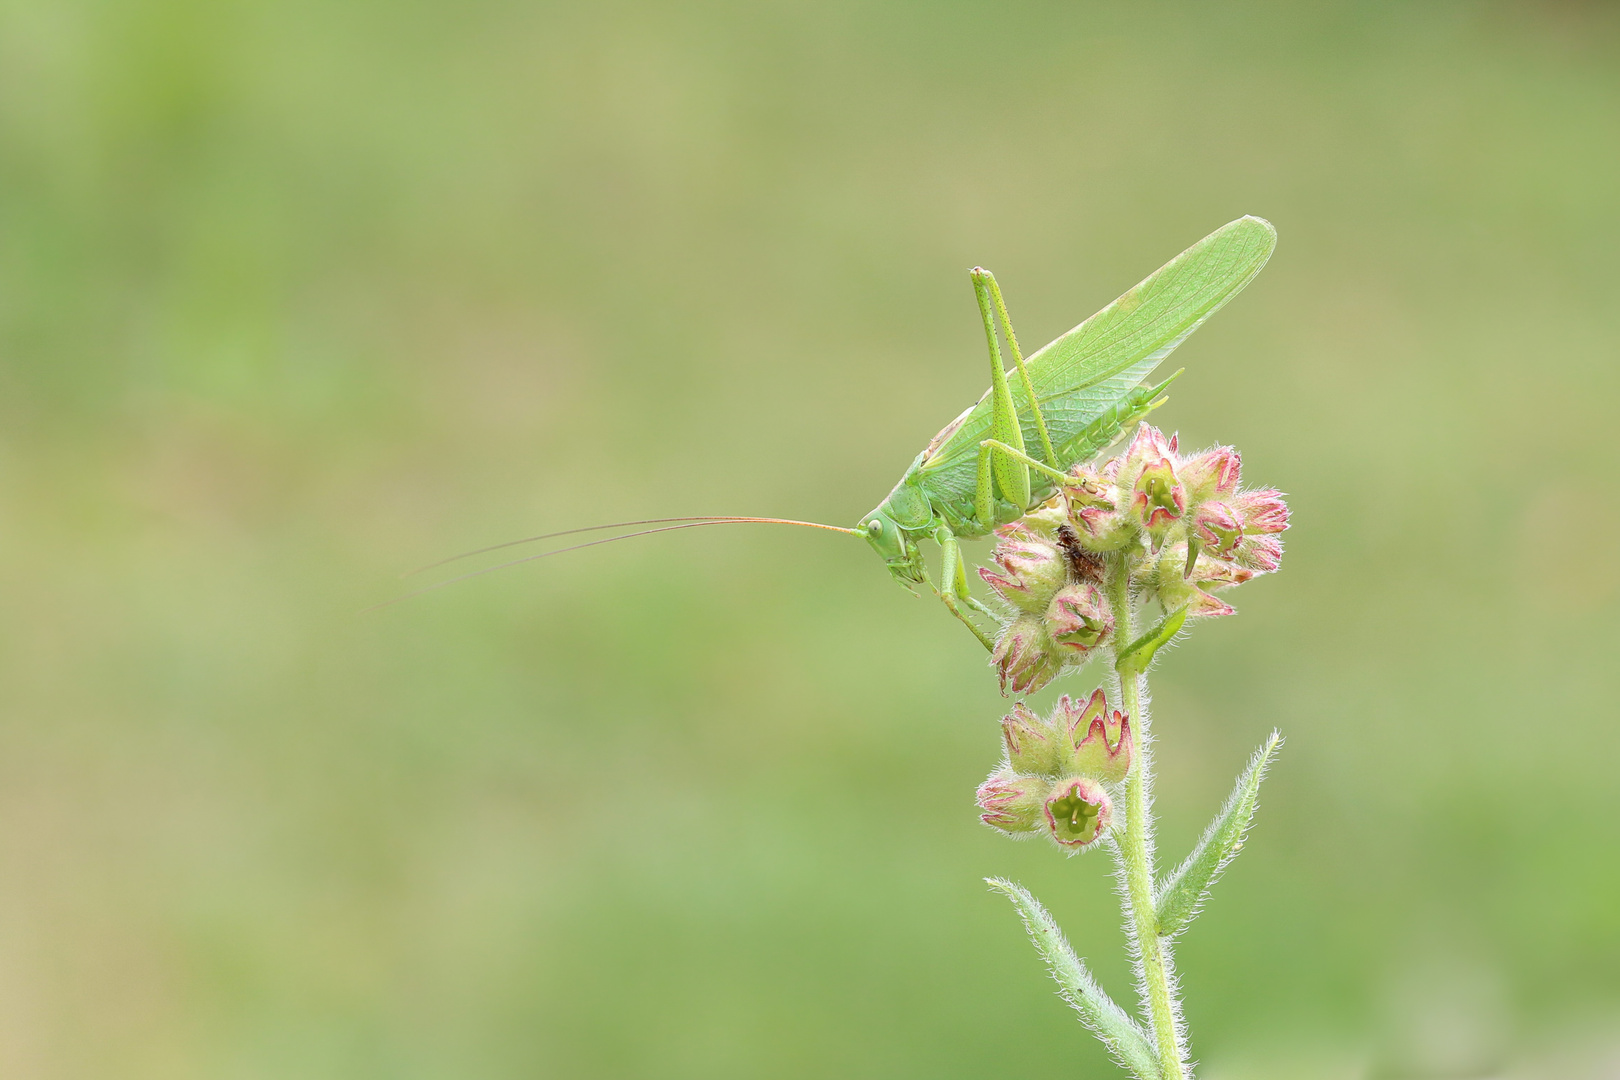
1023	371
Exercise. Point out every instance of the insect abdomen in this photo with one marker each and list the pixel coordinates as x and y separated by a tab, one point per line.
1104	431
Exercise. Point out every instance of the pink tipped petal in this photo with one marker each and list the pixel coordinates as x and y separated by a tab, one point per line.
1262	554
1201	605
1262	511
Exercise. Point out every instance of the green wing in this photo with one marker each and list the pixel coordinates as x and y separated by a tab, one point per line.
1084	372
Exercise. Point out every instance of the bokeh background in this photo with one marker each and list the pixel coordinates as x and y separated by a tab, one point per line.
295	296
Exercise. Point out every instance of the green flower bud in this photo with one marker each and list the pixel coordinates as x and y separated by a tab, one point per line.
1032	568
1025	655
1032	745
1096	743
1012	803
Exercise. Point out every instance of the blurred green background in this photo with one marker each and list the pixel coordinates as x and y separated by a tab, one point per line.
297	295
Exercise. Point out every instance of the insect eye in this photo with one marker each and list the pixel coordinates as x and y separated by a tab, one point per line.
874	527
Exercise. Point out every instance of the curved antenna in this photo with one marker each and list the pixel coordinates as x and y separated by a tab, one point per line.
565	532
608	540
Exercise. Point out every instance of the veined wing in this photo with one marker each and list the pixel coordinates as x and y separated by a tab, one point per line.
1091	367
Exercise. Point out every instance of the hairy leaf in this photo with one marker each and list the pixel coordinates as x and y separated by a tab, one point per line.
1123	1037
1182	893
1136	657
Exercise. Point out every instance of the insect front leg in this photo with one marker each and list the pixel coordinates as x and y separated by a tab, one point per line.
953	585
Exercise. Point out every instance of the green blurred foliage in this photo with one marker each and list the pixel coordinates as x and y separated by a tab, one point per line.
297	295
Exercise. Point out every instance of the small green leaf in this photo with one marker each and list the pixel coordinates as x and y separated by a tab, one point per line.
1123	1037
1138	655
1182	894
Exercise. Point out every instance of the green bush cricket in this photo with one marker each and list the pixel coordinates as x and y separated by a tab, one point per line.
1081	392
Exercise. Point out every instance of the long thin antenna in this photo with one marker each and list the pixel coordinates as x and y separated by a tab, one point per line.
563	532
609	540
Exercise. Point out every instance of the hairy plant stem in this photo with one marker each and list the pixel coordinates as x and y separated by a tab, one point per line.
1135	849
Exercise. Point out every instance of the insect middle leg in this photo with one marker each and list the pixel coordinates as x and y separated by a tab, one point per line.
953	585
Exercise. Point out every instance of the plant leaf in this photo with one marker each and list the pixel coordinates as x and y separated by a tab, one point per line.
1123	1037
1181	895
1138	655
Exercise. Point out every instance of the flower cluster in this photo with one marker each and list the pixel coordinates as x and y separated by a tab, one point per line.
1058	772
1058	612
1180	526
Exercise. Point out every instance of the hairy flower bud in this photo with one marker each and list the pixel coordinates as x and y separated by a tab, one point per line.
1033	649
1212	474
1147	473
1025	655
1261	554
1218	528
1102	528
1078	618
1032	568
1013	803
1167	579
1078	811
1032	744
1261	511
1095	742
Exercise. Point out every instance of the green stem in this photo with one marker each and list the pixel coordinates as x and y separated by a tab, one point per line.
1136	848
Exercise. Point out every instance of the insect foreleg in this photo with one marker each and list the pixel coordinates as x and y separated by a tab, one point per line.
953	586
1023	372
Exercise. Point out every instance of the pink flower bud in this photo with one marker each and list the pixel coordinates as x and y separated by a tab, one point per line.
1013	803
1158	498
1025	655
1148	471
1214	574
1078	618
1032	568
1031	743
1212	474
1168	582
1104	529
1218	527
1033	649
1262	511
1078	811
1098	743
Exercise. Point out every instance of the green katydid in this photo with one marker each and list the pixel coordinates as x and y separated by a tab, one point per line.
1082	391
